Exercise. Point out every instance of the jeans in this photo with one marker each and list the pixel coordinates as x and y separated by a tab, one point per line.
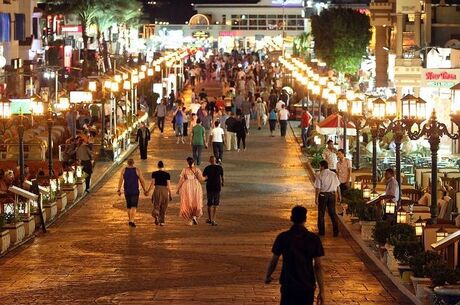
161	123
196	151
218	150
327	200
179	130
304	136
283	127
185	129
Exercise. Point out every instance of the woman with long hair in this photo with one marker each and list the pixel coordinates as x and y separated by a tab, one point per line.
191	192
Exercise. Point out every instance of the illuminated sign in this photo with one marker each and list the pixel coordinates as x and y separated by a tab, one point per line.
67	56
408	6
200	34
229	33
440	78
80	97
20	106
71	28
287	2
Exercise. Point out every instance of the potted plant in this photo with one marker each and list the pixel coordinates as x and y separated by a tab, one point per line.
421	266
315	152
367	214
14	224
353	199
380	235
402	252
398	233
5	240
442	275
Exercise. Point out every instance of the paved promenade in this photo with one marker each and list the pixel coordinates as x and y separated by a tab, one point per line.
92	256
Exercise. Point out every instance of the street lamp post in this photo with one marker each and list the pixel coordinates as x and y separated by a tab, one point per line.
49	122
21	148
375	123
342	105
357	117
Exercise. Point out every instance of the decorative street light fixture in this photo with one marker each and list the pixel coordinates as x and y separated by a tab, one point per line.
377	131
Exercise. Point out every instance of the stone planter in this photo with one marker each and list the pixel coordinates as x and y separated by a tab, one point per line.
5	240
37	218
420	283
392	263
367	228
61	200
448	295
51	210
71	192
355	223
405	273
80	187
29	225
17	232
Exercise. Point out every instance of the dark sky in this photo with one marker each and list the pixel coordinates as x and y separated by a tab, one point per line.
177	11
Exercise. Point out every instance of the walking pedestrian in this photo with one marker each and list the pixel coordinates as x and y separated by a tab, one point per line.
206	122
343	169
283	116
305	120
214	175
217	140
191	193
84	155
161	194
179	124
198	141
185	122
143	138
241	131
160	113
330	155
302	269
130	178
246	110
230	140
272	119
327	193
261	112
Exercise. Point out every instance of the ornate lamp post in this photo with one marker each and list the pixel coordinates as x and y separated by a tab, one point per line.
49	123
357	117
377	131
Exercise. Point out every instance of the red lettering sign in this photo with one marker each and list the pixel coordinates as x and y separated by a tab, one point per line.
440	76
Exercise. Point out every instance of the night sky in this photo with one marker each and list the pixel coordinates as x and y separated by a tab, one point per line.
177	11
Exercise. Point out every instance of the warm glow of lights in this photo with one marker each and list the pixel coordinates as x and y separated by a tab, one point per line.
126	85
378	109
108	84
342	103
92	86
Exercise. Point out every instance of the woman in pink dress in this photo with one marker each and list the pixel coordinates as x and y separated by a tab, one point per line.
191	193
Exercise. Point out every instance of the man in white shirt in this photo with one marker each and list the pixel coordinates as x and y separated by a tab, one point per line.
330	155
283	116
327	193
343	170
392	186
217	139
279	105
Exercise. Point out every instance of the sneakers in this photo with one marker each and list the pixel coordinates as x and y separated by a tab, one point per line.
208	221
213	223
194	221
132	224
162	224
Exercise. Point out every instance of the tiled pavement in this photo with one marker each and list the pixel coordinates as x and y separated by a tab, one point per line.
91	256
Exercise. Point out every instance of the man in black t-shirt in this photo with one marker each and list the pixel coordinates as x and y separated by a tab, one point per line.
302	252
161	194
214	175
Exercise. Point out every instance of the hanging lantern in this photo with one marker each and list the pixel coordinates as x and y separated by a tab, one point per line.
409	106
150	72
419	226
350	94
455	103
357	107
366	192
114	87
357	185
143	68
378	109
92	86
108	84
441	234
141	75
118	78
401	215
342	103
126	85
391	108
421	109
390	207
157	68
332	97
370	101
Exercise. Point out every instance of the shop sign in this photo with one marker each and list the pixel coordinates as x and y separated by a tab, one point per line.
20	106
229	33
200	34
71	28
80	97
440	78
408	6
68	56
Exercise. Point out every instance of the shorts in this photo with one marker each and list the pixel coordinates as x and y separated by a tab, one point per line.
131	201
213	198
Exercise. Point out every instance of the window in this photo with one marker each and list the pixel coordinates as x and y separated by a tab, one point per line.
5	27
19	27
